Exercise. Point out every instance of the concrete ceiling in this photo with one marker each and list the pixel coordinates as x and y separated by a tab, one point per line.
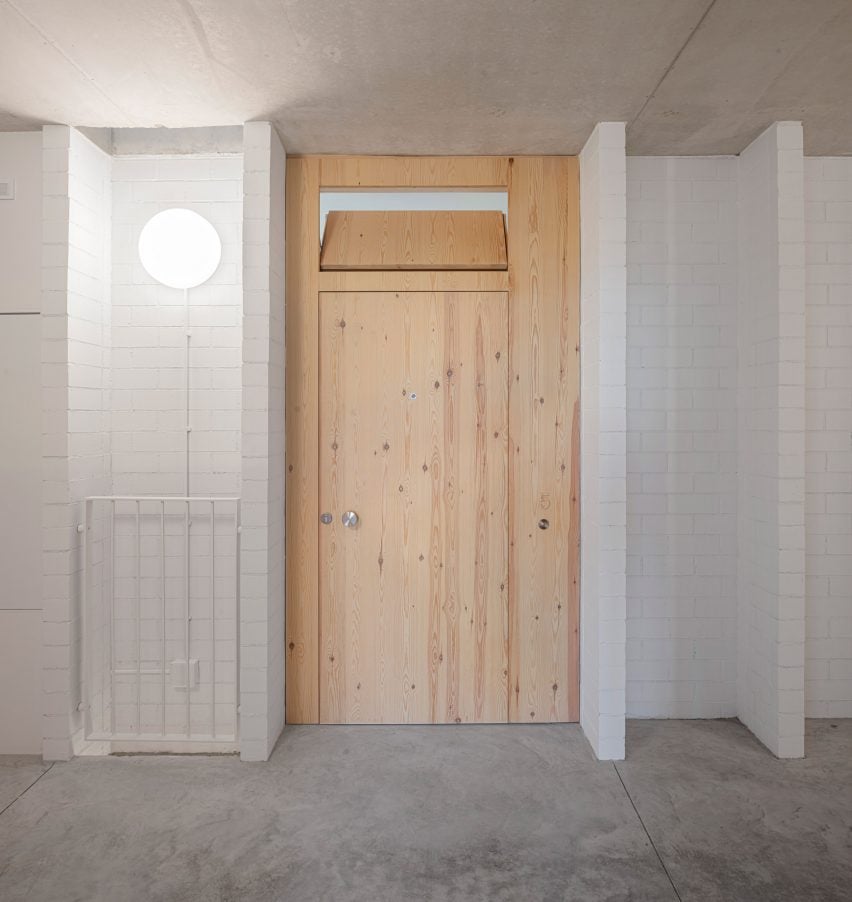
437	76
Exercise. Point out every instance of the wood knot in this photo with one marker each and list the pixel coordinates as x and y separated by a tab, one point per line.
386	446
343	324
291	646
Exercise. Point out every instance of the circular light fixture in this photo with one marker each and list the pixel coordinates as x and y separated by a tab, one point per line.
179	248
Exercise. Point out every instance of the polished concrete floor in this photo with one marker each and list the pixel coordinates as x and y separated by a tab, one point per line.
699	811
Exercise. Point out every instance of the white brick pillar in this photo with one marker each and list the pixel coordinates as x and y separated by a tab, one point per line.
603	461
75	406
771	439
262	541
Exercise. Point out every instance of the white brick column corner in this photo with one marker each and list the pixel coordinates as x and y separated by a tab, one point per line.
771	452
75	405
603	460
262	558
828	506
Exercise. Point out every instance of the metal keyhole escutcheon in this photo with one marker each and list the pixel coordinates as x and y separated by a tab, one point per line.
350	519
326	518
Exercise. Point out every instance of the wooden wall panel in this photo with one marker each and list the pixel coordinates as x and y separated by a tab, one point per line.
544	439
302	374
543	280
414	172
447	280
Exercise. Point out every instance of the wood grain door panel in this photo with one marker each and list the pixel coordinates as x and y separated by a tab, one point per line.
413	615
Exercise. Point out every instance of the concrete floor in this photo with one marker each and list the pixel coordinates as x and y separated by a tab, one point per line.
700	811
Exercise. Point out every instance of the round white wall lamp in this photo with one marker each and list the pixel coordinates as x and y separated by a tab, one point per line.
179	248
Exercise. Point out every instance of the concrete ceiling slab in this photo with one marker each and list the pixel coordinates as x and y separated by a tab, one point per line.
747	65
436	76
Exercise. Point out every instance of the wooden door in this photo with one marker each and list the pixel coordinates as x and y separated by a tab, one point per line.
413	437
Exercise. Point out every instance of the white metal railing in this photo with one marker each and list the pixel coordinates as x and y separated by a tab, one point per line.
161	619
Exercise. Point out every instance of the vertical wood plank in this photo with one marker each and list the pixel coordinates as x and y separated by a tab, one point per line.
480	372
544	439
302	374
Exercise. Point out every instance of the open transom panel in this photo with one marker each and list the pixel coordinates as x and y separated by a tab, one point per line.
414	239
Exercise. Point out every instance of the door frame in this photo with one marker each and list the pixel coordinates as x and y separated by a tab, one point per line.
543	283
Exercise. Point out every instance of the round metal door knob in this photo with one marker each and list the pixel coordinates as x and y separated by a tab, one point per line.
543	524
350	519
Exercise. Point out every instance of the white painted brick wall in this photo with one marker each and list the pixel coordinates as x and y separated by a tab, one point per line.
681	421
603	337
76	390
149	440
828	503
148	333
262	561
771	439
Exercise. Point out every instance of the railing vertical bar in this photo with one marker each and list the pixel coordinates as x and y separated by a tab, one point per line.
84	625
112	619
188	615
138	619
163	591
237	531
213	619
102	628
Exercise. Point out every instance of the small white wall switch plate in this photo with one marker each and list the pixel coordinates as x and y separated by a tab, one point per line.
178	673
7	189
